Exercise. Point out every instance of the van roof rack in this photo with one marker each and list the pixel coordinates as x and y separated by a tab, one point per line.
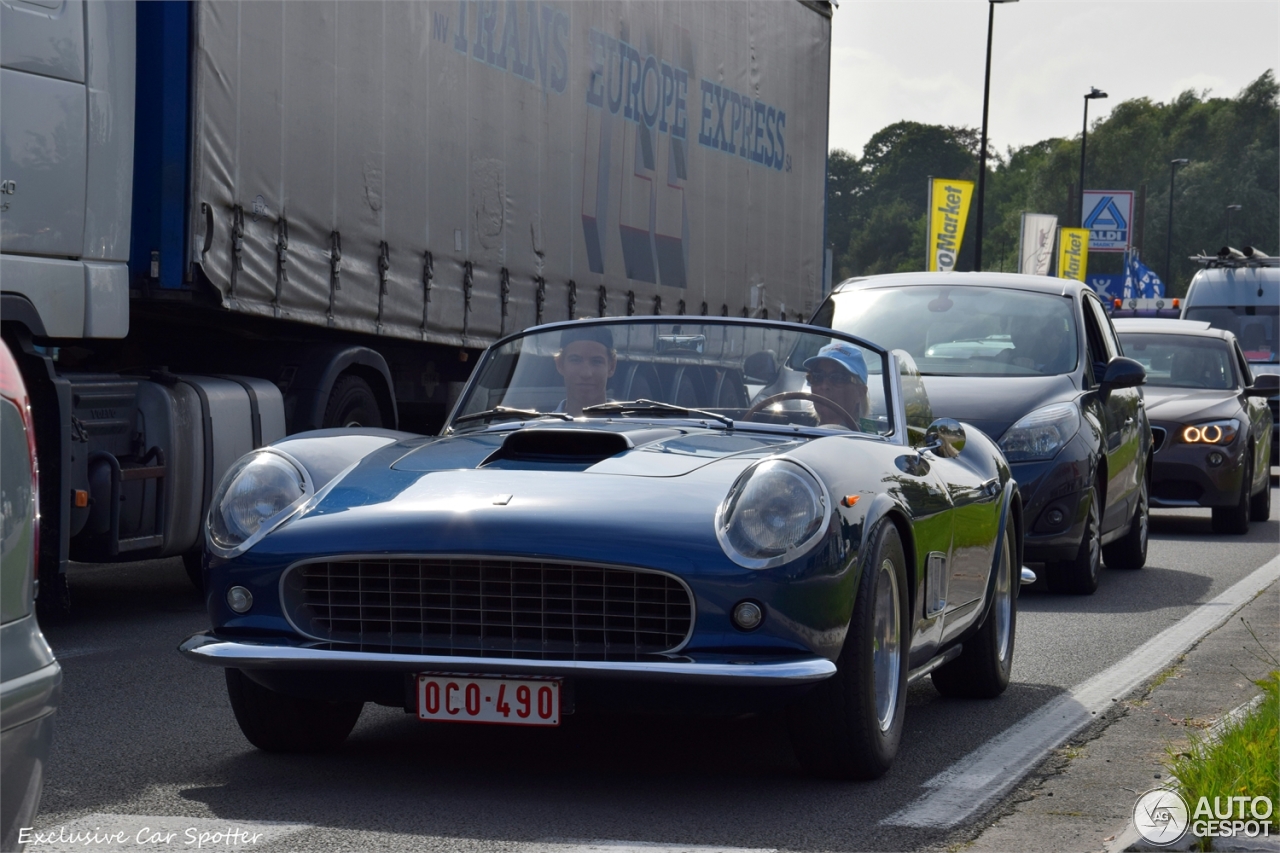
1245	256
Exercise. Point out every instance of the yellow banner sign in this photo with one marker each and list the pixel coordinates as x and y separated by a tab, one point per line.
1073	252
948	212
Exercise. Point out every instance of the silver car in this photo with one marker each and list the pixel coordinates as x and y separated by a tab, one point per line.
30	679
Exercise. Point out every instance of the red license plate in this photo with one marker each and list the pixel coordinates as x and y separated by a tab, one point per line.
505	701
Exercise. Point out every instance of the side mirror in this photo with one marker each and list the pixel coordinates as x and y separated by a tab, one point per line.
1264	385
761	367
1123	372
945	437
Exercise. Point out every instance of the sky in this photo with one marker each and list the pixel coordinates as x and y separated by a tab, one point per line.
922	60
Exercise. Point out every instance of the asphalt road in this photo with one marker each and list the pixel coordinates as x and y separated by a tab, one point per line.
143	734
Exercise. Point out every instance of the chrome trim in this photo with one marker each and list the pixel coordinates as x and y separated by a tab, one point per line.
693	601
1159	441
1028	576
924	669
721	522
206	648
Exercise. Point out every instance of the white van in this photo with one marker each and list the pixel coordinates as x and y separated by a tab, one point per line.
1240	291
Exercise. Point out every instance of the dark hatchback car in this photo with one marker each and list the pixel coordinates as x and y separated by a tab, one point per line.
1210	421
1036	364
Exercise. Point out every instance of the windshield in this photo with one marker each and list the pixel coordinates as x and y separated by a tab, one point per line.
1182	361
963	331
723	368
1253	325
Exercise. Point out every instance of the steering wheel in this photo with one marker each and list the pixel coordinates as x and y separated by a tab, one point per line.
849	420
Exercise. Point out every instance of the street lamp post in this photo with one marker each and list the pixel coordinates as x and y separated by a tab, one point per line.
982	150
1230	208
1094	92
1168	242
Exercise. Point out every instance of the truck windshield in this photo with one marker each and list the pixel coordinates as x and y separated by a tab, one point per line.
1253	325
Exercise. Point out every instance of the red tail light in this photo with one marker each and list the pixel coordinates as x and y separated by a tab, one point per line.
13	389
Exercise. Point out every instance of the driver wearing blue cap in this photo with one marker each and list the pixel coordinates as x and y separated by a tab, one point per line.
838	375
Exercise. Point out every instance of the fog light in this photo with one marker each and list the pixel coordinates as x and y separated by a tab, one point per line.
1054	517
239	599
1215	458
747	615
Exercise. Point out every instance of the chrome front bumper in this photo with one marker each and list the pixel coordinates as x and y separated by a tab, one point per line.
680	669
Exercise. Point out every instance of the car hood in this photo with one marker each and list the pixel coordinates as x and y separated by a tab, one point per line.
995	403
1188	405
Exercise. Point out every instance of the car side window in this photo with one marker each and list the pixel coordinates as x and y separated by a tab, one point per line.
1098	355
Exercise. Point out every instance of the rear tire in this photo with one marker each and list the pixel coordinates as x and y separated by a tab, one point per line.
983	667
275	722
1234	520
352	403
849	726
1080	575
1130	552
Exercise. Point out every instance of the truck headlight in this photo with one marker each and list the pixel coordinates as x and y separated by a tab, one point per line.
256	495
776	510
1042	433
1211	432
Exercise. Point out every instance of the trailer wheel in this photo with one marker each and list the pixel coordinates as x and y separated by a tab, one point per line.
352	403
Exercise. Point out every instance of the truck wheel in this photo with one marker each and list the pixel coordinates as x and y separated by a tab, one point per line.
53	601
352	404
1234	519
275	722
849	726
1080	575
982	670
1130	551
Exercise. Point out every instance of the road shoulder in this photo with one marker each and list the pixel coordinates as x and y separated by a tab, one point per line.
1082	798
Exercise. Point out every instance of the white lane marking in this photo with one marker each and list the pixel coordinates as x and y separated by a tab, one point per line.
129	833
995	767
574	846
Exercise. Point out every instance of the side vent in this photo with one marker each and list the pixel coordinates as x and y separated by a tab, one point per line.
560	445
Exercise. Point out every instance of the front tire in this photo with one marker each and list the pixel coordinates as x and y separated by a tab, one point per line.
849	726
1130	552
1079	576
1234	520
1260	504
982	670
275	722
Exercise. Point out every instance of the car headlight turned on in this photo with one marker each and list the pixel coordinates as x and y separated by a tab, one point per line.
775	512
1212	432
257	494
1042	433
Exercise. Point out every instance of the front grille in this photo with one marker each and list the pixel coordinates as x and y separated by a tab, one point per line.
489	607
1157	438
1177	490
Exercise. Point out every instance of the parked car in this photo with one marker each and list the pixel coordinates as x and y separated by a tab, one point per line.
1035	363
607	520
30	678
1210	421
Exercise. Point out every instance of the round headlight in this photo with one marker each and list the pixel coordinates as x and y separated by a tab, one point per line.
257	493
773	513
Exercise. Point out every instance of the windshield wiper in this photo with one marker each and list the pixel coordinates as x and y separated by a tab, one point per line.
651	407
507	412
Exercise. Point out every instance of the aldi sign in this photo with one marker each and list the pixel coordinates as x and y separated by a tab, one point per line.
1108	214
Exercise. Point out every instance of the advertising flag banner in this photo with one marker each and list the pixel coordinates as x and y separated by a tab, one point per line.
1073	252
948	212
1108	214
1035	245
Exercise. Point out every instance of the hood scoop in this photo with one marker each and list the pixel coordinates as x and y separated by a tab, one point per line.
575	446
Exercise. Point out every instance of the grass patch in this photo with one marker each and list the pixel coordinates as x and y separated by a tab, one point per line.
1243	759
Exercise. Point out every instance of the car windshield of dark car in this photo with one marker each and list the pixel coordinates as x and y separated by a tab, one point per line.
645	368
1255	327
1182	361
966	330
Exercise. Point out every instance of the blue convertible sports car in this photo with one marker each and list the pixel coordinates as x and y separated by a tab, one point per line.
698	514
